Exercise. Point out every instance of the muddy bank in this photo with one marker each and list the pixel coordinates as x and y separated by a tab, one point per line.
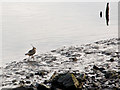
93	66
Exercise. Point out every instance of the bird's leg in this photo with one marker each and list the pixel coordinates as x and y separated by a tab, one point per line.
29	58
33	57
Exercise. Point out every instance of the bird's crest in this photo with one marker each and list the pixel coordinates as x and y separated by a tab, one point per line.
33	46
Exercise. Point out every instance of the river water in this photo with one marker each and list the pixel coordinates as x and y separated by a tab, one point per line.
50	25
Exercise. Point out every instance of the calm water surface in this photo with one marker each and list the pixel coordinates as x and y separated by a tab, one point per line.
52	25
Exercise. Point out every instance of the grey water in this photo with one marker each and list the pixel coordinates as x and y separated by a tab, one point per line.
51	25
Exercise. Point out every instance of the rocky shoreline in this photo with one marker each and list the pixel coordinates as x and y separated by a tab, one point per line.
86	67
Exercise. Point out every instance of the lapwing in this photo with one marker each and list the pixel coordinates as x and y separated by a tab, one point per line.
31	52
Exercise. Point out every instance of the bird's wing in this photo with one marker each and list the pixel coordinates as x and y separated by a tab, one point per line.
31	51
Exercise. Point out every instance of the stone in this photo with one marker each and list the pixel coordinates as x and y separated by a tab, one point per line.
13	81
66	82
53	50
28	82
106	53
52	77
102	69
40	73
23	88
6	89
97	68
112	59
22	82
42	87
111	74
27	77
89	52
74	59
82	77
31	74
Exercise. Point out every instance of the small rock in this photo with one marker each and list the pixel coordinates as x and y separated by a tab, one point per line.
112	59
28	82
27	77
66	82
23	88
31	74
15	84
52	77
101	69
73	59
106	53
97	68
95	84
88	52
110	74
40	73
42	87
13	81
21	82
53	50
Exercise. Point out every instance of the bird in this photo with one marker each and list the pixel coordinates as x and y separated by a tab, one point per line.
31	52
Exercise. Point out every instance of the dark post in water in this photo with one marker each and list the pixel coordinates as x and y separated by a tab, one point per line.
101	14
107	14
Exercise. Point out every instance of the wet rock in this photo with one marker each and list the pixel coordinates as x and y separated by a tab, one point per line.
111	74
52	77
116	88
73	59
95	84
13	81
106	53
3	84
53	50
27	77
8	76
6	89
66	82
66	53
28	82
112	59
102	69
42	87
23	88
31	87
89	52
22	82
97	68
31	74
82	77
20	72
105	87
40	73
114	54
15	84
95	47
